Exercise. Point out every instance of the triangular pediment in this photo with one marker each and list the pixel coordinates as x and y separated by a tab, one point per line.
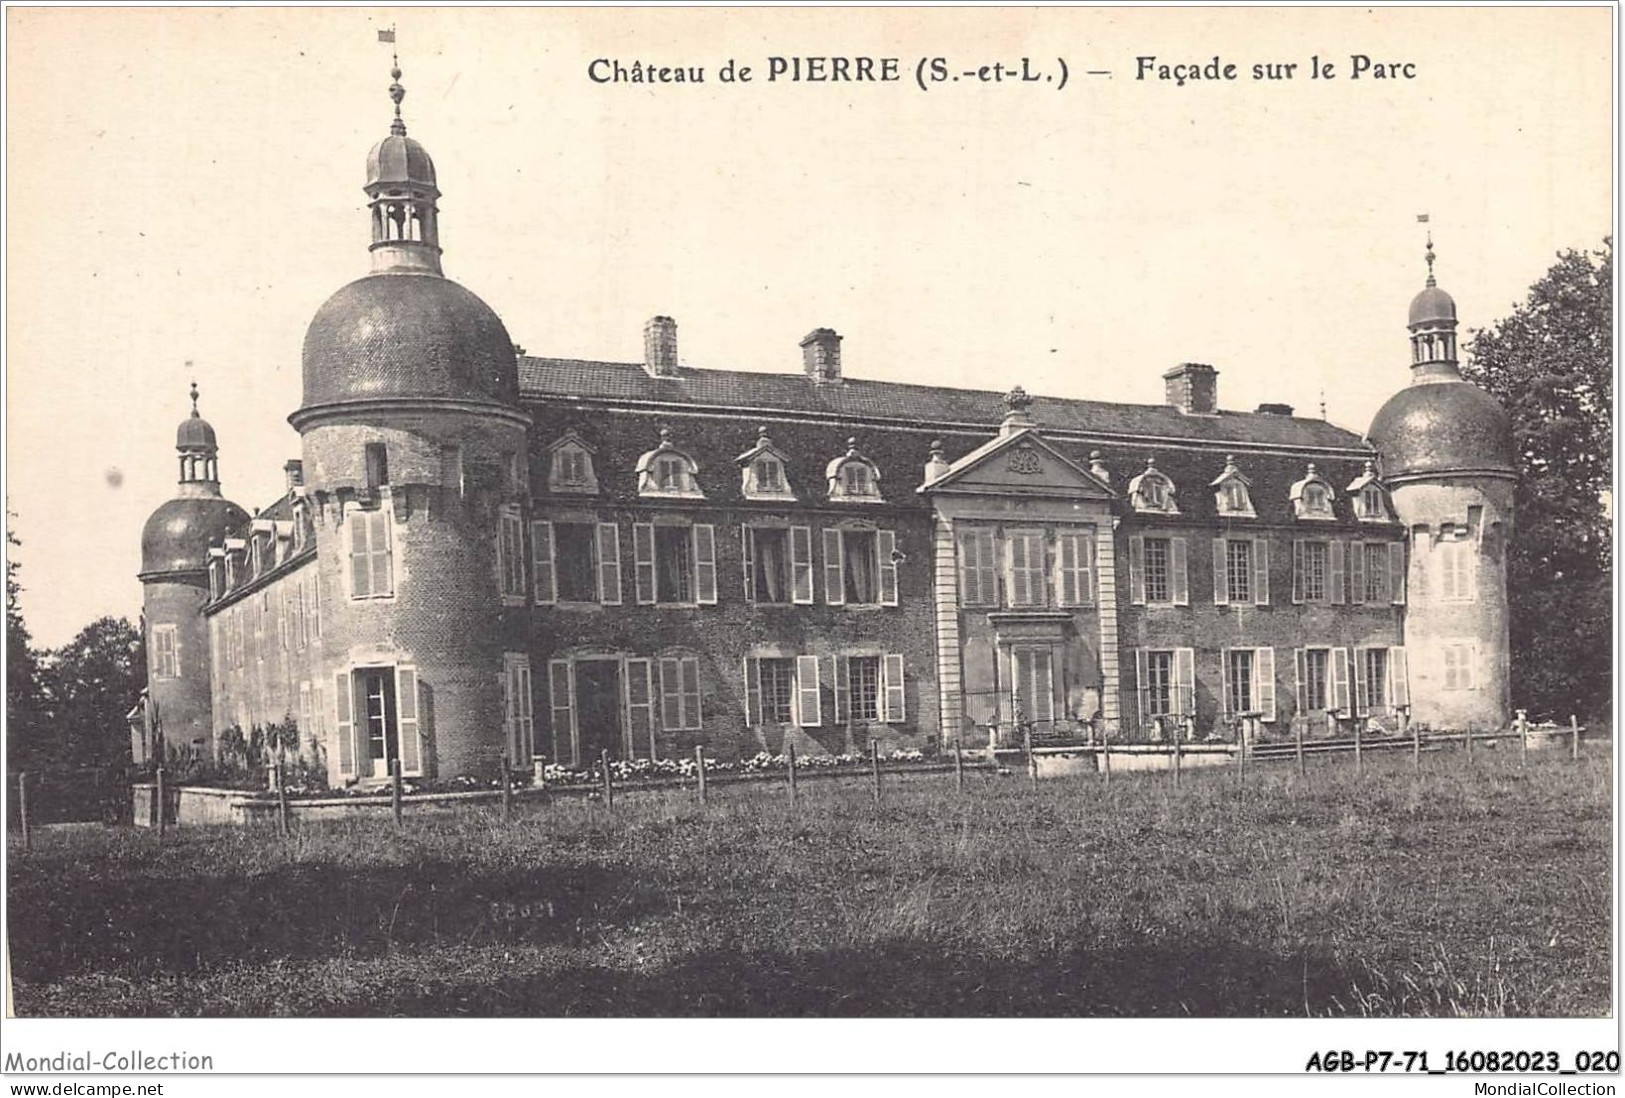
1019	464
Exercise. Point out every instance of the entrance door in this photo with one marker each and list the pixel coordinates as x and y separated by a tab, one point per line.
598	708
378	710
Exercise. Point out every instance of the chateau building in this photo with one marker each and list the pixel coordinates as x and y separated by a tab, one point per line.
483	555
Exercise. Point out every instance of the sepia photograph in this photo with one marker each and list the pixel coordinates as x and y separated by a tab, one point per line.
867	513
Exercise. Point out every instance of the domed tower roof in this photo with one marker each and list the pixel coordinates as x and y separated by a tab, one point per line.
405	332
1440	424
176	537
408	335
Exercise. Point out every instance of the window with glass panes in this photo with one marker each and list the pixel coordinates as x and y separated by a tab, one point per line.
1238	570
1242	698
1159	680
1316	663
1314	570
1157	551
864	675
1376	678
778	678
1376	572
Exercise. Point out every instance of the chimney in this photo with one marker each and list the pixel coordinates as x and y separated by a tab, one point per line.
660	347
821	355
294	470
1275	410
1193	388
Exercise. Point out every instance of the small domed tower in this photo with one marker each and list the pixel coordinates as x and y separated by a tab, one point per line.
415	462
1446	454
175	585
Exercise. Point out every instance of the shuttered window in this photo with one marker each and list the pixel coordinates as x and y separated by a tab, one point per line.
1032	682
640	705
809	706
680	693
978	572
562	703
521	725
1025	551
511	556
609	564
165	652
372	572
1076	568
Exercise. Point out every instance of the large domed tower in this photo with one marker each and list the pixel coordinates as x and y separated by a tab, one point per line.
415	459
1446	453
175	585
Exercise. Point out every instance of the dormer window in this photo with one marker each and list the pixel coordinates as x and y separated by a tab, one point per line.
762	471
1312	496
853	476
1232	492
1152	491
570	466
668	471
1369	496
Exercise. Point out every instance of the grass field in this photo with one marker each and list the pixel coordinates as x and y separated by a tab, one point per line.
1462	891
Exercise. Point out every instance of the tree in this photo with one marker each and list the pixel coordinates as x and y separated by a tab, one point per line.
26	717
94	679
1550	364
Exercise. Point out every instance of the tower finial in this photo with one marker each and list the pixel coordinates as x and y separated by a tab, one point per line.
1429	256
194	396
396	92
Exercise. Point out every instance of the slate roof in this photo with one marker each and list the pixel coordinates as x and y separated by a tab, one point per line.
854	399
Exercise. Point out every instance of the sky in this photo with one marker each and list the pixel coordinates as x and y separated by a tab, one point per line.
184	185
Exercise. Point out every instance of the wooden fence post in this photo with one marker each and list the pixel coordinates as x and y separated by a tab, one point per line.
699	769
22	809
1574	737
959	769
1359	746
395	791
281	802
1523	737
1241	755
1178	753
790	754
1297	740
507	788
1032	760
163	813
1106	753
1469	742
874	764
609	782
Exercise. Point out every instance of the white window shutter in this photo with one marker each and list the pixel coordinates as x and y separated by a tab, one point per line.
970	572
360	555
886	550
1297	659
1396	571
407	729
1136	569
705	564
640	709
1399	680
1261	572
1264	682
1181	572
1297	576
541	549
561	693
1221	575
609	563
1065	573
671	694
747	557
843	688
895	694
1357	573
383	565
344	723
801	565
1362	684
690	687
1225	705
1340	679
1337	569
808	703
1015	570
834	569
643	562
1185	681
